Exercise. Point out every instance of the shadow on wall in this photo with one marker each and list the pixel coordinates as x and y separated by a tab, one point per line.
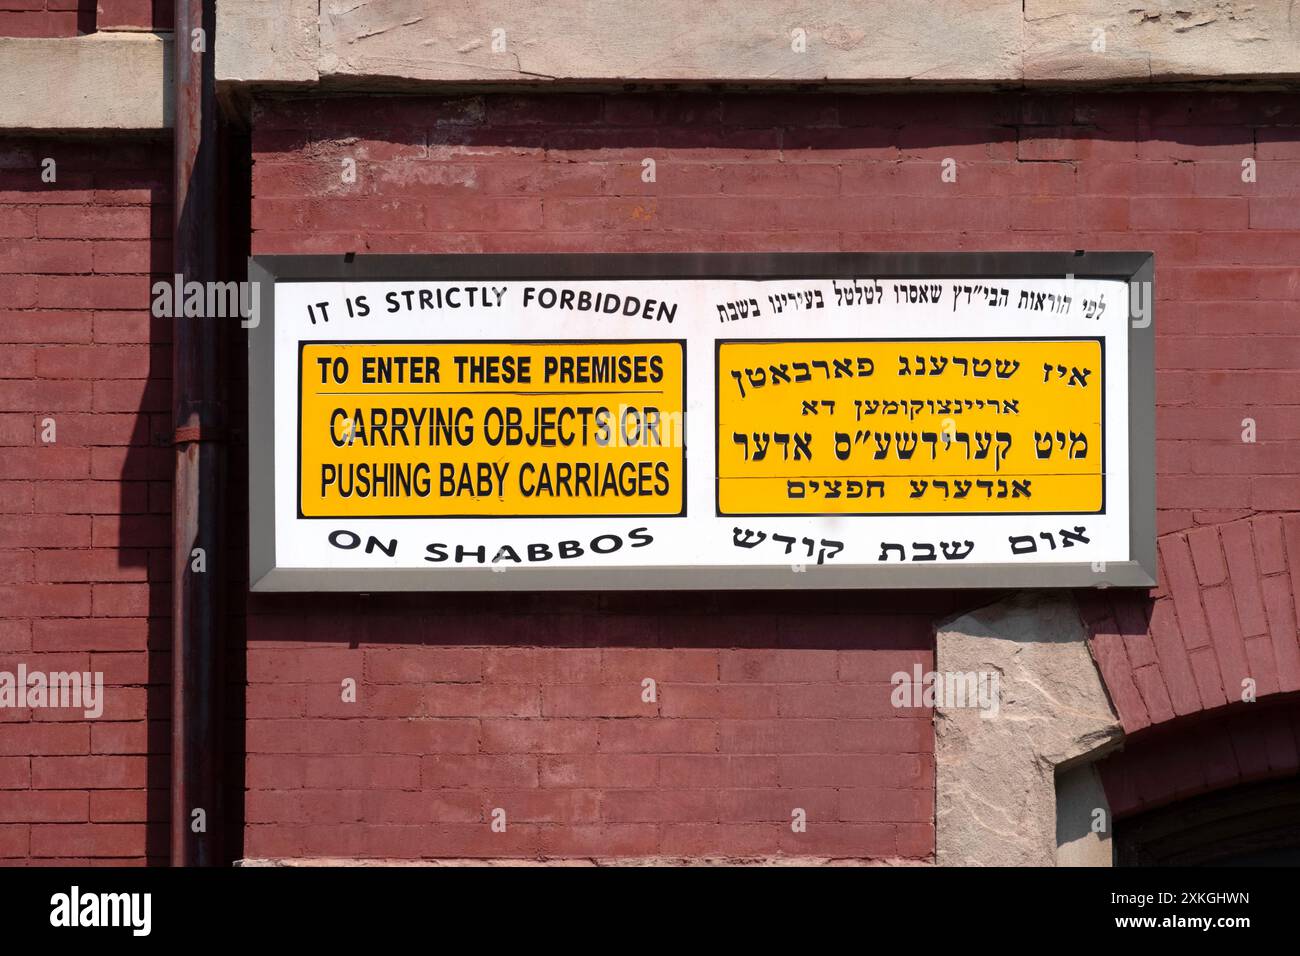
148	467
1218	788
229	555
523	173
1235	745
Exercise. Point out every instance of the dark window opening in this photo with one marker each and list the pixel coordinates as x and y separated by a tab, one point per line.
1249	825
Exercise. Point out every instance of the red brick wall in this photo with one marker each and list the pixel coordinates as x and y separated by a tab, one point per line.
532	703
1242	745
67	18
46	18
84	525
1221	628
134	14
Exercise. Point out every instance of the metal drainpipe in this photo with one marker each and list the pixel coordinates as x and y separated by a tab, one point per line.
199	419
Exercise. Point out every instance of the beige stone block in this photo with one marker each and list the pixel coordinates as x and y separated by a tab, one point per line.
1160	40
118	81
995	768
672	40
267	41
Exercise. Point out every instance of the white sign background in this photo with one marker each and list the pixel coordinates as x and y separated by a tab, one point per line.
700	538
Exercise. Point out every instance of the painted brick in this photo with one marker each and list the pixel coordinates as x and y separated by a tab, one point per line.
128	806
1154	694
728	839
1113	662
43	806
45	739
1282	630
453	770
776	805
784	666
1229	646
422	664
90	839
1269	549
632	665
1186	592
88	773
1263	667
1209	682
579	700
1207	556
414	736
1174	667
1276	493
1238	549
607	772
705	700
718	771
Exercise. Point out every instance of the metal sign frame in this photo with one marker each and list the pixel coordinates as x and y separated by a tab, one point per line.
1132	267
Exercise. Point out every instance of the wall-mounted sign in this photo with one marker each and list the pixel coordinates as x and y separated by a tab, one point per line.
702	421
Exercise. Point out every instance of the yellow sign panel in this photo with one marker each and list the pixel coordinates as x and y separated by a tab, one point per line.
491	429
935	426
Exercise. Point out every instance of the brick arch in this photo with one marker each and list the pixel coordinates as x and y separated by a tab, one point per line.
1189	756
1224	610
